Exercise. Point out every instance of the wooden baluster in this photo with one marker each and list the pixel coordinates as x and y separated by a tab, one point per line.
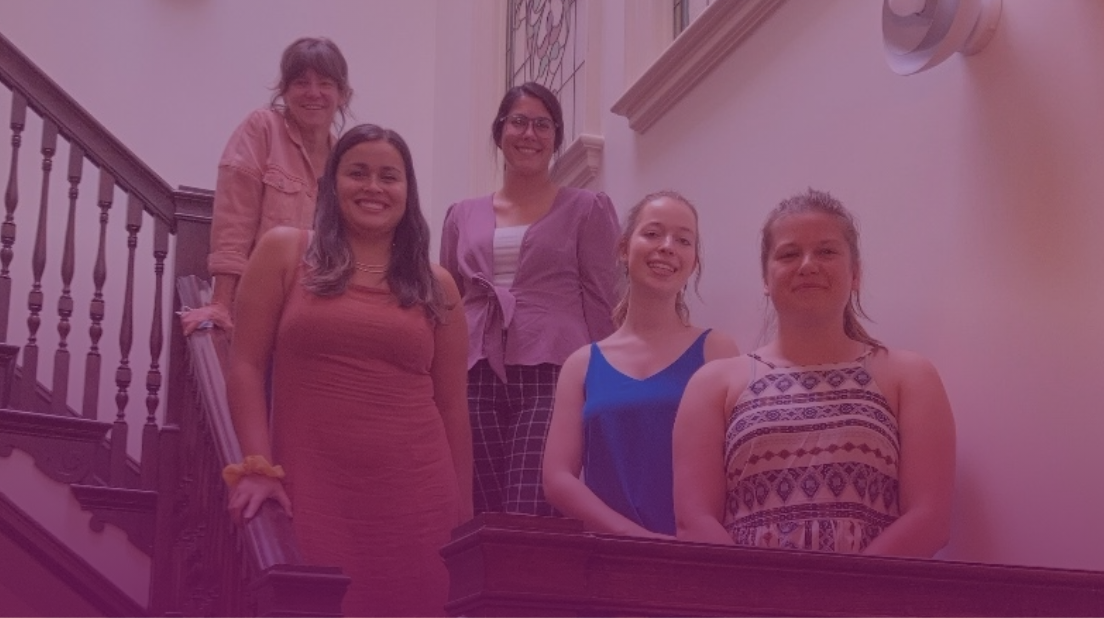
126	336
29	380
11	200
153	377
96	309
60	396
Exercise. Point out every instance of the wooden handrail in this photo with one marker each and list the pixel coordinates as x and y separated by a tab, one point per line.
48	99
280	580
518	565
202	563
271	537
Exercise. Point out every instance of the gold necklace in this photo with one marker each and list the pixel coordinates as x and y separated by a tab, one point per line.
375	269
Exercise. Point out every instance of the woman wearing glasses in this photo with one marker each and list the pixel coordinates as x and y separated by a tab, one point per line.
536	265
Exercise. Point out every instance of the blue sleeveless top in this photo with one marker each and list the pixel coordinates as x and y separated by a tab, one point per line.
627	425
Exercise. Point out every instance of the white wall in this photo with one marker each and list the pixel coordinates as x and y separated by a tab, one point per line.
977	185
172	78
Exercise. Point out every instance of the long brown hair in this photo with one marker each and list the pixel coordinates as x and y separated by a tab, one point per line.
329	257
632	221
822	201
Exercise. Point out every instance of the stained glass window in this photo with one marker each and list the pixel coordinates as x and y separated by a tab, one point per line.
545	43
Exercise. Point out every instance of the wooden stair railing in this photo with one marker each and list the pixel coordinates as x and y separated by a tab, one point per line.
84	258
518	565
253	570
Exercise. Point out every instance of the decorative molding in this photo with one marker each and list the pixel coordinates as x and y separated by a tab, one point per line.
490	562
64	448
101	460
580	162
710	38
302	590
80	576
131	510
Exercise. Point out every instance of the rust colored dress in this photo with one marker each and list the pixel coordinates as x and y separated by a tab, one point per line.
369	470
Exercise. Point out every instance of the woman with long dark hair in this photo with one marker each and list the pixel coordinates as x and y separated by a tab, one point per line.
369	414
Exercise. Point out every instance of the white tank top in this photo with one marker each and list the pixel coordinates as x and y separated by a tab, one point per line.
507	246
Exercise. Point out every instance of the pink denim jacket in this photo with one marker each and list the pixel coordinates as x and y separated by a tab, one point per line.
265	179
564	290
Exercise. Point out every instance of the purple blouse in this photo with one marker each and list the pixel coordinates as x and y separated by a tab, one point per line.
564	290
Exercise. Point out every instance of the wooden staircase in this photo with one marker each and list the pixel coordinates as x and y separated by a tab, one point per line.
163	489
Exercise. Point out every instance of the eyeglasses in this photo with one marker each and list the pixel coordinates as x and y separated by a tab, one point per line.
518	123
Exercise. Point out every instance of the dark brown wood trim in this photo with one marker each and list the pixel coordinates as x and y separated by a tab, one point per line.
51	102
101	463
63	447
132	510
526	568
285	590
55	556
8	355
271	540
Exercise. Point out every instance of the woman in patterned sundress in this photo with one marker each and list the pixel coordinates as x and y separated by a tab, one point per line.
824	438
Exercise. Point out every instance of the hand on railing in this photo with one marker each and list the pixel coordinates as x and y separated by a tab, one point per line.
208	316
250	493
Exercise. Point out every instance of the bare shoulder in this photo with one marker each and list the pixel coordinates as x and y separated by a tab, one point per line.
905	376
280	245
901	365
447	282
729	373
577	361
720	345
573	372
718	384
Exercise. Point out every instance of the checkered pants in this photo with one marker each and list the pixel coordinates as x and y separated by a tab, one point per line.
509	428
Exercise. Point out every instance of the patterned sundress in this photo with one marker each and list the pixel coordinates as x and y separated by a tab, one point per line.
811	458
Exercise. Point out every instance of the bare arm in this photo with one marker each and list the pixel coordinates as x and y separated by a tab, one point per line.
719	345
263	290
927	464
563	457
450	387
699	456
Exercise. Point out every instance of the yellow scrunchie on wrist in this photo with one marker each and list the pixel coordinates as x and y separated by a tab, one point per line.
253	464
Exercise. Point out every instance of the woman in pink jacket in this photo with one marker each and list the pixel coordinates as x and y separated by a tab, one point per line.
536	265
269	171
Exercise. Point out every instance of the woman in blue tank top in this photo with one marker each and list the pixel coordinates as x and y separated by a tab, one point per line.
608	457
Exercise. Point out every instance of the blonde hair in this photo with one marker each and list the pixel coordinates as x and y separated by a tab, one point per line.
632	221
822	201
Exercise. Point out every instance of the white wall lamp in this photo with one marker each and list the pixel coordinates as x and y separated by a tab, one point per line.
920	34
